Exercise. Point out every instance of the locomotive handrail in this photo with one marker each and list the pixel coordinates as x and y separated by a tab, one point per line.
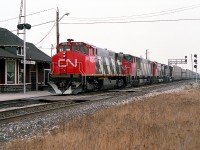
83	74
81	70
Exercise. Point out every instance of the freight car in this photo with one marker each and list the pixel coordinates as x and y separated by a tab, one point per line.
80	67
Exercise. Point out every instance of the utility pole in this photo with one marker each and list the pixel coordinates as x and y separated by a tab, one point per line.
24	47
57	25
146	53
24	26
20	16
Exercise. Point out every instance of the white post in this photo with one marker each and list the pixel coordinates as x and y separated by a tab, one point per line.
196	75
24	47
192	62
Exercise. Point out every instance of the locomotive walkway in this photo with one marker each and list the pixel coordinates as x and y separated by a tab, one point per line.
12	96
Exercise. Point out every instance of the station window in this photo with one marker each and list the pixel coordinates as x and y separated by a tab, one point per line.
20	51
10	72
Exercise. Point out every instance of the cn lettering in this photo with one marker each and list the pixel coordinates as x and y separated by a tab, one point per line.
64	63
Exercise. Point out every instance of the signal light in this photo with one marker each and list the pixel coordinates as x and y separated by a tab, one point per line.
22	26
27	26
195	60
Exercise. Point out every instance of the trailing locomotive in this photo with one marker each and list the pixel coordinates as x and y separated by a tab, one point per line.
80	67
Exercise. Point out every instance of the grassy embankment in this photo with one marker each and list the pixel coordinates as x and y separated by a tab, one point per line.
167	121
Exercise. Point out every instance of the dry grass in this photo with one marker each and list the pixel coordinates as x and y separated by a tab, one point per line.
167	122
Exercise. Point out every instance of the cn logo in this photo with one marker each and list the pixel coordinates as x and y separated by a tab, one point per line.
62	63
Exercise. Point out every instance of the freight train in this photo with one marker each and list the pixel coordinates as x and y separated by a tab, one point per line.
80	67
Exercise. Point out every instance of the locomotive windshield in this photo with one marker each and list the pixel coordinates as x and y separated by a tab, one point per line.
81	48
128	58
84	49
64	48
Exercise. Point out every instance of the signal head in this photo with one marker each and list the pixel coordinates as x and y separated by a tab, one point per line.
27	26
20	26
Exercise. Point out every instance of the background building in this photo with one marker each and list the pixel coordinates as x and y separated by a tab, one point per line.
12	64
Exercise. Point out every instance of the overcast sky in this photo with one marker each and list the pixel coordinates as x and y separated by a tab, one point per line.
128	26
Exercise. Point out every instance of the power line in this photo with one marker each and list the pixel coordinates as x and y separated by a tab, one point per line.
109	20
46	34
27	15
121	17
41	11
43	23
133	21
144	15
113	22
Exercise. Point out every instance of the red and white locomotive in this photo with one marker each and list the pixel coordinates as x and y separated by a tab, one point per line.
79	67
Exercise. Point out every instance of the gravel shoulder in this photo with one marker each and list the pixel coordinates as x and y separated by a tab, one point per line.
30	126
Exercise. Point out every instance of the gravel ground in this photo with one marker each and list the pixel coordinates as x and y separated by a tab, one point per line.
30	126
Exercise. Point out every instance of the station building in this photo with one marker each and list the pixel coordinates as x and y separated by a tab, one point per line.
12	64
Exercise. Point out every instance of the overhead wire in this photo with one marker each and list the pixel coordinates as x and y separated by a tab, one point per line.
46	34
27	15
43	23
129	17
144	15
109	20
134	21
120	17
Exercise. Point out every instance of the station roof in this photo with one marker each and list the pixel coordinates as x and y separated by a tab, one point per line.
9	43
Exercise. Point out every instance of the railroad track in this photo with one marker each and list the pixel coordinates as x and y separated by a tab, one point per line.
17	103
51	103
25	107
26	123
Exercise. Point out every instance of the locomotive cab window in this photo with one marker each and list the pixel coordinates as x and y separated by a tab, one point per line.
84	49
92	52
75	47
128	58
64	48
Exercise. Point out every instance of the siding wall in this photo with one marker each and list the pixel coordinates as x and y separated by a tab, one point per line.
19	87
2	71
41	67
